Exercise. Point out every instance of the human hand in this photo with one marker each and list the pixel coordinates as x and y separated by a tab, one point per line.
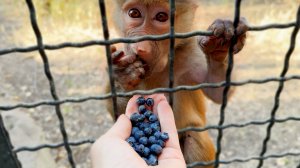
112	150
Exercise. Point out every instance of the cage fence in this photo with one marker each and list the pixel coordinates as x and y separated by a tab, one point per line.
8	157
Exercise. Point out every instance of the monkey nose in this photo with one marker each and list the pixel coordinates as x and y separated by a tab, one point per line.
142	49
141	52
138	50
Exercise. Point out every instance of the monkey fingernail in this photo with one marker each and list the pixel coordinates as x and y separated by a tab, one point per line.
116	56
204	41
218	32
236	49
113	49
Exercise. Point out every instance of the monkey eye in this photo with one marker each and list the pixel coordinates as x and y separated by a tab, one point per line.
134	13
162	17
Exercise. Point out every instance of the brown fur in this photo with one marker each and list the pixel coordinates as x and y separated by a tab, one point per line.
189	108
191	66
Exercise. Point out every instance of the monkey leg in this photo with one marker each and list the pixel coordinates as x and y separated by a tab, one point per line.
197	146
189	110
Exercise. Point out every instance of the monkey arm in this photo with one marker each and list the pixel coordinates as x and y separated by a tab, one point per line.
216	50
217	73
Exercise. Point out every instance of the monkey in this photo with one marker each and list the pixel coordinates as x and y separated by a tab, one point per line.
201	59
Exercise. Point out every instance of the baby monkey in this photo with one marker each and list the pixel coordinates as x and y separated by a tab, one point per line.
201	59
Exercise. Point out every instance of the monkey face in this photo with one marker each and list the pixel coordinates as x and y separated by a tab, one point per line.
147	19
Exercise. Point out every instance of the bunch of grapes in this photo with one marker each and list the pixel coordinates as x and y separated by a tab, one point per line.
146	137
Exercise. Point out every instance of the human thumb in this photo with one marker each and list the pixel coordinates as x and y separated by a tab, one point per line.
121	129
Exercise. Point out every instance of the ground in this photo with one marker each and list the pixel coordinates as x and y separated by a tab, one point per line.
81	72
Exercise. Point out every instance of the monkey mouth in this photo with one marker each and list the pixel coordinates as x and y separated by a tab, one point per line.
144	65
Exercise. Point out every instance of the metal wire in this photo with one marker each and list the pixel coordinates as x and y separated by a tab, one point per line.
52	146
143	92
22	149
243	160
228	80
172	50
50	79
280	88
108	58
136	39
56	102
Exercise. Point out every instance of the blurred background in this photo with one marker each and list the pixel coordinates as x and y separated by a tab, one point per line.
80	72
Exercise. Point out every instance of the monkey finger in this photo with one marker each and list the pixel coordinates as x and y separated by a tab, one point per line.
116	56
138	64
113	49
242	27
229	30
208	44
126	60
130	70
202	42
240	44
217	27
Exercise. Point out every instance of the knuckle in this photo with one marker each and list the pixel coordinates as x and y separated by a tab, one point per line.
218	21
228	22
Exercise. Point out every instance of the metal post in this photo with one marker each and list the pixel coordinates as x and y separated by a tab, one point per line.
8	158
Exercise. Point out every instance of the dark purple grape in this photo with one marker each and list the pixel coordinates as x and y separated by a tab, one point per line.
142	109
140	101
138	134
157	134
139	148
134	129
148	131
131	141
150	102
153	118
152	140
141	118
143	140
152	160
164	136
134	117
146	151
144	125
161	143
155	148
148	113
155	127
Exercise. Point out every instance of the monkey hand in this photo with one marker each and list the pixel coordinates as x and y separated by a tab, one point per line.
216	47
128	69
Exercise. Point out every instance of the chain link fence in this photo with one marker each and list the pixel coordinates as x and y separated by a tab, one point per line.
8	156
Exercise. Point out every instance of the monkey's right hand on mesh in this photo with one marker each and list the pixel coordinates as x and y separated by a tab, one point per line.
128	69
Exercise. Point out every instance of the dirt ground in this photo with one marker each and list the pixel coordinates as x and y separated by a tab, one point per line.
81	72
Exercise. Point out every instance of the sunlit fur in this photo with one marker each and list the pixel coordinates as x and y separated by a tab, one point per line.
189	106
